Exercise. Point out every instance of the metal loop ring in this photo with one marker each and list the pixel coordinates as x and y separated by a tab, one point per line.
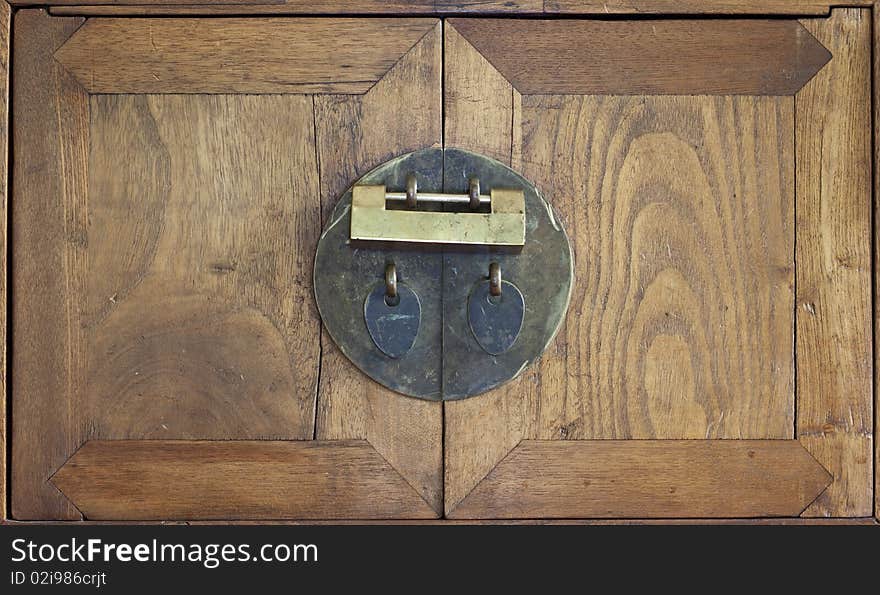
495	279
474	193
390	280
412	191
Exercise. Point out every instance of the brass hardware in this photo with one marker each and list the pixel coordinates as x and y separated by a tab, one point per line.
496	322
474	192
447	334
393	315
411	197
436	197
412	191
503	225
495	279
390	281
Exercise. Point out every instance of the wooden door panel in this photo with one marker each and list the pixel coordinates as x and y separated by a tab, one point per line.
684	215
169	215
198	310
681	213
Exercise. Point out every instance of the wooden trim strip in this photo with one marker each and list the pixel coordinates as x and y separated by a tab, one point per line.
443	7
876	124
176	479
783	521
5	22
647	479
49	181
833	265
237	55
780	7
648	57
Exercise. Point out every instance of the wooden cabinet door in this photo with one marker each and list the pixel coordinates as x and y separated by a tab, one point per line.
170	177
714	178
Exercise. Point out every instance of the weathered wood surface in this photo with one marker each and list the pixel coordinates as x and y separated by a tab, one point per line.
180	298
236	480
681	216
727	366
876	14
441	7
5	24
49	185
656	345
684	7
480	103
648	478
648	57
237	55
198	308
834	307
687	331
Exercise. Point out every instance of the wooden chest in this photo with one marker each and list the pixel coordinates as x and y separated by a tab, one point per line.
170	169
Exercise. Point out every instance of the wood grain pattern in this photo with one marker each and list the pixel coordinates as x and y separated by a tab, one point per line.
203	219
781	521
617	370
5	23
236	480
50	148
769	521
391	7
680	213
681	217
648	478
237	55
355	134
473	448
683	7
834	343
657	57
692	373
479	101
185	305
308	7
876	14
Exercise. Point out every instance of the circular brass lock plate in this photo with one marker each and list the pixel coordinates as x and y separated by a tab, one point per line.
447	360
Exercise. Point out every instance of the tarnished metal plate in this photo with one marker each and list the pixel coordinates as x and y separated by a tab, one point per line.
393	324
346	274
496	321
446	361
542	271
